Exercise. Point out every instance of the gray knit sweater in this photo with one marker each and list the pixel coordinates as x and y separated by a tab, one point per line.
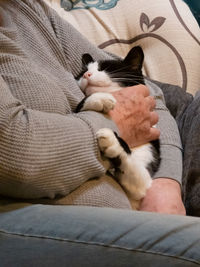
46	150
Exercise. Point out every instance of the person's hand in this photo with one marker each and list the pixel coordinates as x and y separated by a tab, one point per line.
164	196
134	115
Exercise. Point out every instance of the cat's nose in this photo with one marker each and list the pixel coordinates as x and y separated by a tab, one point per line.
87	75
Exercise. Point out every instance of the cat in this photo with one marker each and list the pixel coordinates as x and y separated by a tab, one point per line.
133	167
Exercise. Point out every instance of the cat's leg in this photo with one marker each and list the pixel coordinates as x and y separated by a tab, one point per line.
135	179
132	171
109	144
115	149
101	102
134	176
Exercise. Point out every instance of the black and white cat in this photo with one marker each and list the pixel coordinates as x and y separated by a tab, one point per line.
133	167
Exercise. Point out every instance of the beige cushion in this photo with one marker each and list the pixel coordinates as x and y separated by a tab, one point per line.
166	30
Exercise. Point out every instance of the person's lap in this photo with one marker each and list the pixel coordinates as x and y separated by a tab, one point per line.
99	192
47	235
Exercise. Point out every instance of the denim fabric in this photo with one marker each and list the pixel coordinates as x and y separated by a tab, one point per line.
42	235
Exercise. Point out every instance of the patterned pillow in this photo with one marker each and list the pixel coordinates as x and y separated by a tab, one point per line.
86	4
195	8
166	30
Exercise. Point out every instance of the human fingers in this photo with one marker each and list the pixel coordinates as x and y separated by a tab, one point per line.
154	134
153	118
151	102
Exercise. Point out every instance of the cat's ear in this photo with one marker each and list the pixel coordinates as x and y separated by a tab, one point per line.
135	58
86	59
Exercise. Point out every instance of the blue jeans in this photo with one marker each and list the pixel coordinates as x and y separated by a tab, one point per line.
44	235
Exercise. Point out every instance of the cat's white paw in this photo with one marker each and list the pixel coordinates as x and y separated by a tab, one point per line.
101	102
108	143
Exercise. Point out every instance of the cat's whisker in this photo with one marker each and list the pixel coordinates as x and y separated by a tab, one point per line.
127	79
125	75
117	70
130	81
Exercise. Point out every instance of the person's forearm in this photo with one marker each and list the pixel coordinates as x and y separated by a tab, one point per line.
45	154
164	196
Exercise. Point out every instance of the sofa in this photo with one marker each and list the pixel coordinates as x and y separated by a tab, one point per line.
38	235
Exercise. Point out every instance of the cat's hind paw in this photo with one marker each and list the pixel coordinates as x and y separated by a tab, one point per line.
101	102
108	143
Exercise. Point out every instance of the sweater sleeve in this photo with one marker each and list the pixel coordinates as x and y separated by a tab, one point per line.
46	154
171	147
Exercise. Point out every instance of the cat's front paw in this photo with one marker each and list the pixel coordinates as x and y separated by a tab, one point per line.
101	102
108	143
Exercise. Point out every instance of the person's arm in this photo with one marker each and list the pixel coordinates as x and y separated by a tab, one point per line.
165	193
164	196
46	154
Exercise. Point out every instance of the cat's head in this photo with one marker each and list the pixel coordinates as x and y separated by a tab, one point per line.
111	75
